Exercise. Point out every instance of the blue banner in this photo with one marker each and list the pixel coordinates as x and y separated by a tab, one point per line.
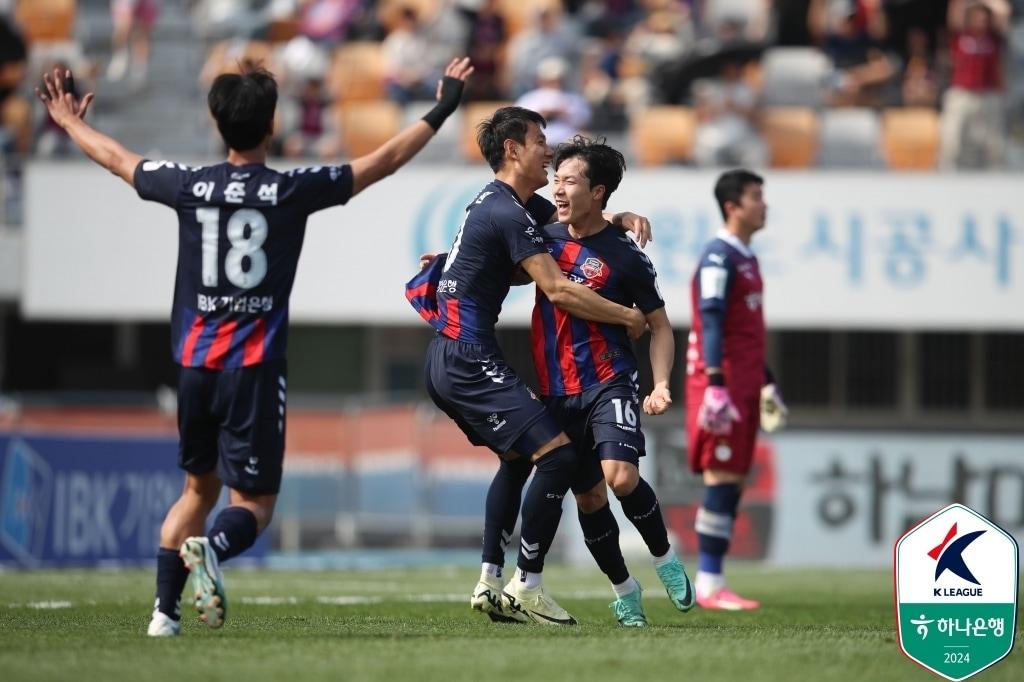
78	501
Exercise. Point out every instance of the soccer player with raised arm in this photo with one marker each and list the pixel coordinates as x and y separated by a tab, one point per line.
729	390
588	373
240	231
466	373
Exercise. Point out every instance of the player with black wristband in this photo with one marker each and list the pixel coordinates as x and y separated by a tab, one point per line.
241	228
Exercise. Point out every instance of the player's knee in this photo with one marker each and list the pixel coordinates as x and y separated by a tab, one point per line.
623	480
552	445
592	500
261	506
203	489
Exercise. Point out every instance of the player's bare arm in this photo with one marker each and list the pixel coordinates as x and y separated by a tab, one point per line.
397	151
577	299
663	351
69	113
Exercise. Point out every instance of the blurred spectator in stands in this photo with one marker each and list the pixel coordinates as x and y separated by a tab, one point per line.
972	108
742	19
791	29
726	108
566	112
487	34
662	39
547	37
920	86
327	21
306	128
599	80
851	32
407	63
133	22
15	111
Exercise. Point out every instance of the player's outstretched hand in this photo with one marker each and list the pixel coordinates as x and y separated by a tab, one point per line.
658	401
450	87
639	225
637	324
425	259
59	100
717	412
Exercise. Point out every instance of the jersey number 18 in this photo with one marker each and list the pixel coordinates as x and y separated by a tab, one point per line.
241	247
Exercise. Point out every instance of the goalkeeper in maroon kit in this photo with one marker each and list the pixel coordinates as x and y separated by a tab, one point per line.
729	390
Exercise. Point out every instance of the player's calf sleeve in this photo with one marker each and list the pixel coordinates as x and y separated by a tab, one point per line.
233	531
171	576
601	533
502	508
642	509
714	524
542	506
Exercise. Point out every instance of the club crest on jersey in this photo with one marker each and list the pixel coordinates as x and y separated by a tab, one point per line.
592	268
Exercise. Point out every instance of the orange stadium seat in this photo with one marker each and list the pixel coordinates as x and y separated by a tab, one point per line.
519	14
472	114
357	72
367	125
791	134
388	11
910	138
46	20
662	134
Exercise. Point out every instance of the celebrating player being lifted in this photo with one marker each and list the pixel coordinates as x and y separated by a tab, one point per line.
466	373
240	231
726	377
588	373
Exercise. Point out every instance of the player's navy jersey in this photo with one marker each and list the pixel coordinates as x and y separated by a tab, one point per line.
498	232
572	355
240	231
728	281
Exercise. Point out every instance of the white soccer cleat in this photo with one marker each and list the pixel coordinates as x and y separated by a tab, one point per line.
487	599
534	604
163	625
211	600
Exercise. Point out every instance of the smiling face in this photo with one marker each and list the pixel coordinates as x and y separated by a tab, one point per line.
531	158
575	198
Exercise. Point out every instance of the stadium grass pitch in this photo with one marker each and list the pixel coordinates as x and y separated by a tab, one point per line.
416	624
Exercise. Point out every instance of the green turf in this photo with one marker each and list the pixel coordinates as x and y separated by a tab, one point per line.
818	625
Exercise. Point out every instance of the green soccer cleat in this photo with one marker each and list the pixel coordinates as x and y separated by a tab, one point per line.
487	599
677	584
628	610
211	600
534	604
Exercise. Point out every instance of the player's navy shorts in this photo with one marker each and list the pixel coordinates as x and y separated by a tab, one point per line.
485	397
603	423
234	420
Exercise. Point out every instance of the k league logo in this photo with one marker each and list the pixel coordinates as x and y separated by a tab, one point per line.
956	585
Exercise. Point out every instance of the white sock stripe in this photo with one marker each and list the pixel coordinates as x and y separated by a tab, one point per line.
714	524
528	546
280	380
221	540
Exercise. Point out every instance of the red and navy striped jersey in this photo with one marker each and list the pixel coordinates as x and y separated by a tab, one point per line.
498	232
728	330
240	232
573	355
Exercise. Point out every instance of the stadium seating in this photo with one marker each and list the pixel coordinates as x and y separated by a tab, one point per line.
357	72
367	125
663	134
793	76
791	134
910	138
472	114
850	138
519	14
46	20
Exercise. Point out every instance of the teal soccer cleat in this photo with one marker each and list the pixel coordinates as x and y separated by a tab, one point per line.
677	584
211	600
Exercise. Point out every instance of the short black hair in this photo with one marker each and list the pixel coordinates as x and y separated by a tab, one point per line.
732	184
605	165
507	123
243	105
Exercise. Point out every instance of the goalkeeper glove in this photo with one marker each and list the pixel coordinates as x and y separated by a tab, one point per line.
717	413
773	410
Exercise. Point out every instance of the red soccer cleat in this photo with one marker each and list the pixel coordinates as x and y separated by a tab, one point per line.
726	600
